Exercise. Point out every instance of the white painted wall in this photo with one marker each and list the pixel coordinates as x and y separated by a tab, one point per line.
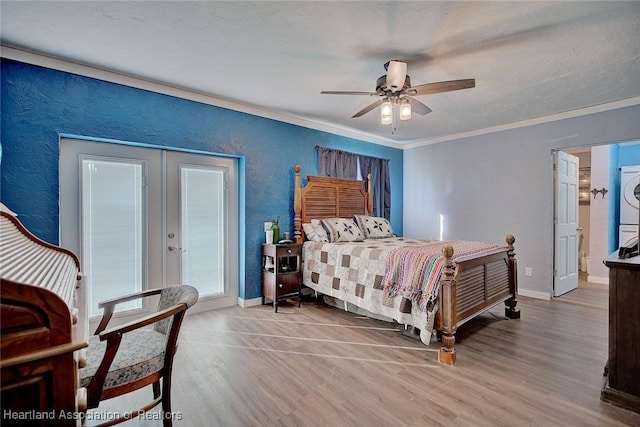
599	232
492	185
584	212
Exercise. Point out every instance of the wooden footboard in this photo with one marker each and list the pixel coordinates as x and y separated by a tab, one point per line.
472	287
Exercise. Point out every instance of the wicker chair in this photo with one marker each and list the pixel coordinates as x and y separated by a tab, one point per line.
129	357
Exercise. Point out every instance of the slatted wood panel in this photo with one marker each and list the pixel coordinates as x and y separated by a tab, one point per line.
351	201
321	201
497	278
327	197
43	326
27	261
470	289
481	285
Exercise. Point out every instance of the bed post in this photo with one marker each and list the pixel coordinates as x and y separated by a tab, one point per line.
510	309
370	196
297	206
447	354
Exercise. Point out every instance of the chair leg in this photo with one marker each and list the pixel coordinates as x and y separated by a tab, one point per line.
167	420
156	389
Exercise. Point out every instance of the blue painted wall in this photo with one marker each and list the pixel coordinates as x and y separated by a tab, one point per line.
621	155
614	198
629	155
39	104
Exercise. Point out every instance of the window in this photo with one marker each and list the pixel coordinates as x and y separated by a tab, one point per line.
113	229
342	164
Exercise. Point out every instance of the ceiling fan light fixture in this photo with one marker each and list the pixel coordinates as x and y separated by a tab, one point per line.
386	112
395	91
405	109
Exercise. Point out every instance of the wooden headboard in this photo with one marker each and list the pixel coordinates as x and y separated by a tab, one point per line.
328	197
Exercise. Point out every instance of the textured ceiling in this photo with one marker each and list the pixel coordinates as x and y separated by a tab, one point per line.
529	59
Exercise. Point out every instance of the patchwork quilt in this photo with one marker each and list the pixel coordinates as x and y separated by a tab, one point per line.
394	277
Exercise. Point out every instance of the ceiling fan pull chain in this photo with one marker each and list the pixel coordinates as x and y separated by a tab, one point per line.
393	120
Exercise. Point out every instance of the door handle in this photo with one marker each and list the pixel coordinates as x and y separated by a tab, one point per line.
173	248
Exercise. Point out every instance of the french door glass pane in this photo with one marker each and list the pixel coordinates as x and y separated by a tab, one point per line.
112	230
203	230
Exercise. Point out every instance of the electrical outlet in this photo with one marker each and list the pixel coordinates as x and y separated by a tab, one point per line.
267	226
528	271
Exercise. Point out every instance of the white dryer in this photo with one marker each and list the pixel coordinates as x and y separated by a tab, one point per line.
629	194
627	234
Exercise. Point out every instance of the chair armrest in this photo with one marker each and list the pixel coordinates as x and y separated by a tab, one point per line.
140	323
129	297
109	306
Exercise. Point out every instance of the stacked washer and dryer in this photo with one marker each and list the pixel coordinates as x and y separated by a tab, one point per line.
629	204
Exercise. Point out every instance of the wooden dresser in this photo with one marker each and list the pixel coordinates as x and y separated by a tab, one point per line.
623	368
43	329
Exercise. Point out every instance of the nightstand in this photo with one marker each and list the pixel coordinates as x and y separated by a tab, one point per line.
281	272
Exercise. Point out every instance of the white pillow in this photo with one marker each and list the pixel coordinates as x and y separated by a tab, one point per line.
309	233
374	227
314	231
321	233
342	230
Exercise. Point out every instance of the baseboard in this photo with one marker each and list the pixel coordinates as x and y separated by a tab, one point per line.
534	294
595	279
246	303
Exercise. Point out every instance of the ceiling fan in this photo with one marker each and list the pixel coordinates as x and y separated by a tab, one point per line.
394	88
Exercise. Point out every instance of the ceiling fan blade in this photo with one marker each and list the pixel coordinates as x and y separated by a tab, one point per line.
396	74
418	107
368	108
438	87
343	92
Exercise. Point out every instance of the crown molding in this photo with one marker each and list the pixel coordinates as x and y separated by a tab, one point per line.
531	122
46	61
137	82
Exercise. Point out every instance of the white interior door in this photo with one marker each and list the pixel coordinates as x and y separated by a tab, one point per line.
565	223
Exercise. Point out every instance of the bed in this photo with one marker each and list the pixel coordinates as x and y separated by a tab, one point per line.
427	285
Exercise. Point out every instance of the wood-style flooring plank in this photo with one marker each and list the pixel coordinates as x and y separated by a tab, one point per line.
318	366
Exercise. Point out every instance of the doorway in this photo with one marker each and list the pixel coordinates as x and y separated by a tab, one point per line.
593	219
143	218
584	210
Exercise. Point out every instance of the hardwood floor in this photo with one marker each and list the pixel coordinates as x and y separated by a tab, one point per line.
589	294
320	366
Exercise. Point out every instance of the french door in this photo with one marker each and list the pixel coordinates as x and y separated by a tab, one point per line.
143	218
199	235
